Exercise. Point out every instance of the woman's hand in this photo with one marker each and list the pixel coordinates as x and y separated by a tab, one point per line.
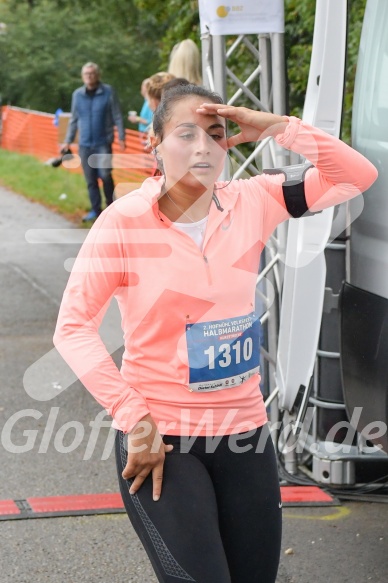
254	125
146	453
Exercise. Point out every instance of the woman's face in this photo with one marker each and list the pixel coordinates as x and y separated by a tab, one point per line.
193	148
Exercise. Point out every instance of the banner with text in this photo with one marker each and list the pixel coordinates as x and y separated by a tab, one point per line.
241	17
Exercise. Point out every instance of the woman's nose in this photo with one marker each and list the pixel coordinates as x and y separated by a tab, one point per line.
203	142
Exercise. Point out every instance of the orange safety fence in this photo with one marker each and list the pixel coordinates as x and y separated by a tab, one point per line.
37	134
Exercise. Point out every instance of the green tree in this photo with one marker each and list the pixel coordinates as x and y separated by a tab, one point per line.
178	19
299	28
46	42
175	20
44	46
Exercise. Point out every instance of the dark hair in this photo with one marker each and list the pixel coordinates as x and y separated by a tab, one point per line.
174	82
171	96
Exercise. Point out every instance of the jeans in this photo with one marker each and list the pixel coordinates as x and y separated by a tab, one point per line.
104	171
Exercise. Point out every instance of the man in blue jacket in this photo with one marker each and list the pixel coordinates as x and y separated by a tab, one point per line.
95	110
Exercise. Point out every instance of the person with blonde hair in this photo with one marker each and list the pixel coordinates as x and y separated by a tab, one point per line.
144	119
155	87
185	61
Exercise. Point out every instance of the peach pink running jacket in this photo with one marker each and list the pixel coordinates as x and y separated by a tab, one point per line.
188	317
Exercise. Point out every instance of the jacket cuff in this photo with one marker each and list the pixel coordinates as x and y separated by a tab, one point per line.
128	410
287	138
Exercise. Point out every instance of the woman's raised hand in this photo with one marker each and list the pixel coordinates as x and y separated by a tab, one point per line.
254	125
146	453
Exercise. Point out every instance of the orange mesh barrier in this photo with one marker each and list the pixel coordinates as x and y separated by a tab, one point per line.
34	133
29	132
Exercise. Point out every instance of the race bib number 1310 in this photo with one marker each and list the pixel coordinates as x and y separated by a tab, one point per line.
223	353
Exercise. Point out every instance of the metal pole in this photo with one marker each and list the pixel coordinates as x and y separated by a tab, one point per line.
279	87
219	64
207	75
265	86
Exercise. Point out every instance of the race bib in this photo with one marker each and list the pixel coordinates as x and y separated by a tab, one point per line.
223	353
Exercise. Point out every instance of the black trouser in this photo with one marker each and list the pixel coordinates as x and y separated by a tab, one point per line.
219	516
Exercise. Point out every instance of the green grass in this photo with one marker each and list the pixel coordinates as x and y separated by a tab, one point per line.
44	184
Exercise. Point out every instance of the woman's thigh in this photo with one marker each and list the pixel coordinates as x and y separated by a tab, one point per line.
246	483
180	532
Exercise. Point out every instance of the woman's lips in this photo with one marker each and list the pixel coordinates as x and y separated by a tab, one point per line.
204	165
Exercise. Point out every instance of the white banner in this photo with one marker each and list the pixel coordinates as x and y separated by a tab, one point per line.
241	16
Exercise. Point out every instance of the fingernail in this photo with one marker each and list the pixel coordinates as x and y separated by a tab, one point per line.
156	498
132	492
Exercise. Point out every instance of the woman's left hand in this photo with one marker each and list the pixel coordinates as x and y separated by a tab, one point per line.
254	125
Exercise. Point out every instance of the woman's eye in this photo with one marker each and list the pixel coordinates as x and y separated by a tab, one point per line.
216	137
188	136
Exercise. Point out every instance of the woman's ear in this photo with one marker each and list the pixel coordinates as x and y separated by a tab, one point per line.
156	147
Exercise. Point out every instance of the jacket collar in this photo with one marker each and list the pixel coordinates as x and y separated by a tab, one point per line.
100	88
151	191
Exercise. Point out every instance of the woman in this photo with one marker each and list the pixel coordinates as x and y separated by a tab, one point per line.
196	467
144	119
156	84
185	61
155	87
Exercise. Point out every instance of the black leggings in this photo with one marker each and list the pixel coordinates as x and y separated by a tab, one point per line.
218	519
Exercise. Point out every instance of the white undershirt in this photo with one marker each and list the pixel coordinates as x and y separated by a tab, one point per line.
194	230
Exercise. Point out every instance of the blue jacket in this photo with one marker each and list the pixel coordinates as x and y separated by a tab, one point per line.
95	117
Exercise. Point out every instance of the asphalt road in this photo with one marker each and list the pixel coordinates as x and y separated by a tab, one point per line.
40	398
